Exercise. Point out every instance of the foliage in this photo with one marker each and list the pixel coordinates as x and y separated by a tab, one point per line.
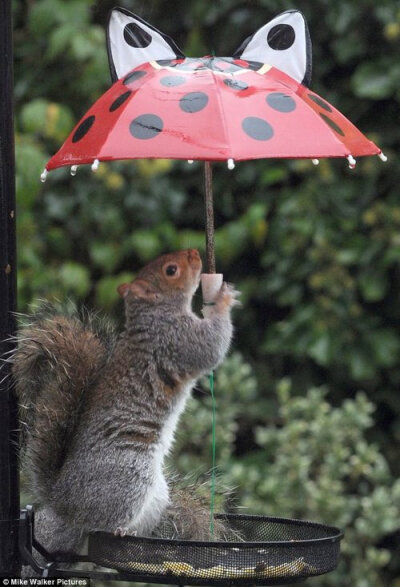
315	251
311	461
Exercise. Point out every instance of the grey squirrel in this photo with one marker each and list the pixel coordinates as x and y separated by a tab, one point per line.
100	412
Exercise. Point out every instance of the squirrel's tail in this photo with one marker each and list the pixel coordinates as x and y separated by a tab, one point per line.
59	356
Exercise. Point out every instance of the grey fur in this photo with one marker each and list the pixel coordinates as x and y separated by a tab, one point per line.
110	474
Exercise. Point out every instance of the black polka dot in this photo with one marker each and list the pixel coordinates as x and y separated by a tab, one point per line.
134	76
332	124
281	37
146	126
235	84
172	80
320	102
83	128
166	62
254	65
233	68
135	36
120	100
257	128
281	102
193	102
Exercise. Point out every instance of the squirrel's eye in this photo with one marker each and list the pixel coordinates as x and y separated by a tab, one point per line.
171	270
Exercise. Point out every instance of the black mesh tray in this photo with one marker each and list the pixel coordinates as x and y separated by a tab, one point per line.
269	551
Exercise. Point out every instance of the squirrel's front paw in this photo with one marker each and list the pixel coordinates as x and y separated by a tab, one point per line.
227	297
124	531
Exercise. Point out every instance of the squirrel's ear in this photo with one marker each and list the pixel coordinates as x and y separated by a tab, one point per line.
139	289
132	41
284	43
123	289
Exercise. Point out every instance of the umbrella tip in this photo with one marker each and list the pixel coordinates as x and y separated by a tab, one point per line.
231	164
315	161
43	175
74	169
95	165
352	161
382	156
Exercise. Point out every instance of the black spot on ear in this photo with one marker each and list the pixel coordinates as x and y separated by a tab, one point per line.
136	37
281	37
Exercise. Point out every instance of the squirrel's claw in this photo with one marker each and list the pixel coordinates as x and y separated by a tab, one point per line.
235	294
228	295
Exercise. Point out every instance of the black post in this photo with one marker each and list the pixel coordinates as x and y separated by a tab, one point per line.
9	480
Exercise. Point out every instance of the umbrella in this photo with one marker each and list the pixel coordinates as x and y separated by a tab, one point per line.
254	104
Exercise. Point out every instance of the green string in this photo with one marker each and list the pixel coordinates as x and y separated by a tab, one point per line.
213	470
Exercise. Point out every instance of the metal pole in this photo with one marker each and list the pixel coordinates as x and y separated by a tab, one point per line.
9	479
209	217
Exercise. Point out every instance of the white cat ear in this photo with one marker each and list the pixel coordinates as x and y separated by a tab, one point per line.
131	41
284	43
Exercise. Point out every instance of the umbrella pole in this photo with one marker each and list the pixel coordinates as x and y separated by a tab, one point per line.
209	218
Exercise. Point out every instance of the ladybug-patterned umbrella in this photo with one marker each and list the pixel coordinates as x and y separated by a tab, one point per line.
255	104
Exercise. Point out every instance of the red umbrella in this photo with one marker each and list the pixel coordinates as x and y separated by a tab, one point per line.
253	105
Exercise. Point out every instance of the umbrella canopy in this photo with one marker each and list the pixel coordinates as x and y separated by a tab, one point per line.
253	105
213	109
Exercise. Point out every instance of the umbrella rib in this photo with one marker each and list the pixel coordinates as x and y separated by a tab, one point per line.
221	109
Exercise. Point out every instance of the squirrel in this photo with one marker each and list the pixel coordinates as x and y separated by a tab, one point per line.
100	411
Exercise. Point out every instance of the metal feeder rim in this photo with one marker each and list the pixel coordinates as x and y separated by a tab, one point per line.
336	537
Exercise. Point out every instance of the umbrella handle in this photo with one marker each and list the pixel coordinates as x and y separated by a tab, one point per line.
210	285
209	218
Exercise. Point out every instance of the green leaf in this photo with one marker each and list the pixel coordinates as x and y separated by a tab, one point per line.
373	285
30	162
60	41
361	365
46	118
146	244
75	278
321	349
386	347
105	255
375	80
